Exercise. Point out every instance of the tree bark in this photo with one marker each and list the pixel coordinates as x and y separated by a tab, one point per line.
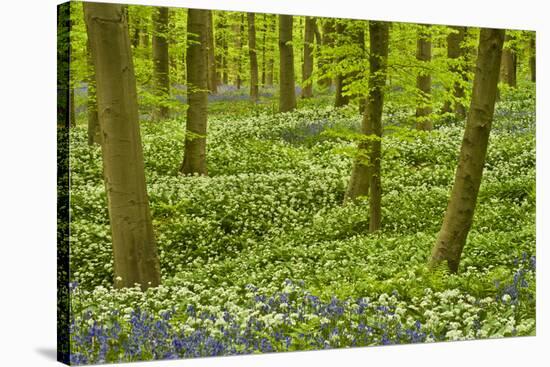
328	42
239	29
161	68
72	107
460	210
456	53
366	168
225	48
219	41
270	61
254	92
307	66
194	157
264	49
212	84
94	131
287	92
424	79
508	66
134	247
340	79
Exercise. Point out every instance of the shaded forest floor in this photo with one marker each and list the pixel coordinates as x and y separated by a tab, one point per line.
261	255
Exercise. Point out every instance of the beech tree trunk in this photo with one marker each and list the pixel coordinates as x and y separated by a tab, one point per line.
219	43
340	79
225	48
212	84
365	174
264	48
134	247
254	92
460	210
240	31
194	157
508	67
270	61
456	52
160	61
328	42
287	92
72	107
307	66
424	79
94	132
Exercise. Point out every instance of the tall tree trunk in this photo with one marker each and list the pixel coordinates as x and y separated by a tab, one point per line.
359	39
72	81
194	157
135	34
366	167
287	92
264	48
455	53
508	66
94	132
219	39
212	85
225	48
424	79
307	66
271	62
460	210
253	58
379	40
134	247
240	31
340	80
160	61
72	107
328	42
533	57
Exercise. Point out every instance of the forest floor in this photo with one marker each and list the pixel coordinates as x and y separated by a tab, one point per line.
262	256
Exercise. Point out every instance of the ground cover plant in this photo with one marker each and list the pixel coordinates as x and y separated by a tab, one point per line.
260	247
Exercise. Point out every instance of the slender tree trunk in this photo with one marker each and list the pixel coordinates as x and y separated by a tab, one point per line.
254	93
72	107
160	61
134	247
366	168
264	48
225	48
359	39
94	132
460	210
455	53
194	157
424	79
271	62
328	42
219	38
212	85
240	31
307	66
135	35
287	92
72	81
340	80
508	64
533	57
